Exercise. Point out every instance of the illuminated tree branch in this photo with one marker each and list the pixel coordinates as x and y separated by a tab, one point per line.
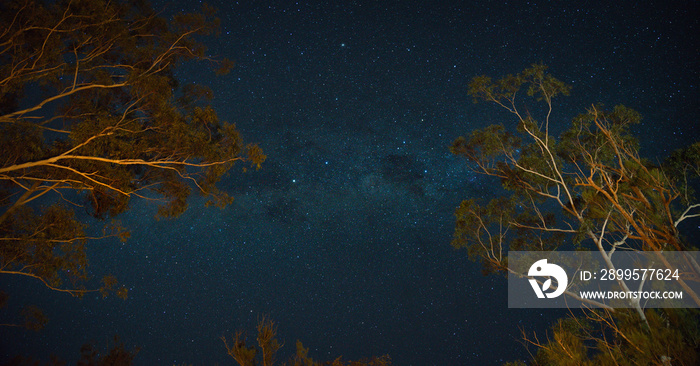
106	121
606	194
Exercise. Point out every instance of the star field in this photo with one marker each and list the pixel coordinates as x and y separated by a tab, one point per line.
343	237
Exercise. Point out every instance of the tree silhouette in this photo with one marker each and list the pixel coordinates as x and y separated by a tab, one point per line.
91	115
269	346
117	355
586	189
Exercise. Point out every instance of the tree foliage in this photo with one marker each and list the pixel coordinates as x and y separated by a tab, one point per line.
268	346
586	189
117	355
602	338
91	116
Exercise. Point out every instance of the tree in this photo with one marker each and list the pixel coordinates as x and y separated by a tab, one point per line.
269	346
587	189
599	337
117	355
91	116
33	318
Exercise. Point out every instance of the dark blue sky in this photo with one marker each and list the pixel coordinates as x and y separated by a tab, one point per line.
343	236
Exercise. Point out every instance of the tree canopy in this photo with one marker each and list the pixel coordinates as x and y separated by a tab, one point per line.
91	116
586	189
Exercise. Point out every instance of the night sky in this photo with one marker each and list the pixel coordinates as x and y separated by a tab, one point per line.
343	236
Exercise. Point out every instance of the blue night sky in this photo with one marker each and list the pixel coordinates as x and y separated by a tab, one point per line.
343	237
